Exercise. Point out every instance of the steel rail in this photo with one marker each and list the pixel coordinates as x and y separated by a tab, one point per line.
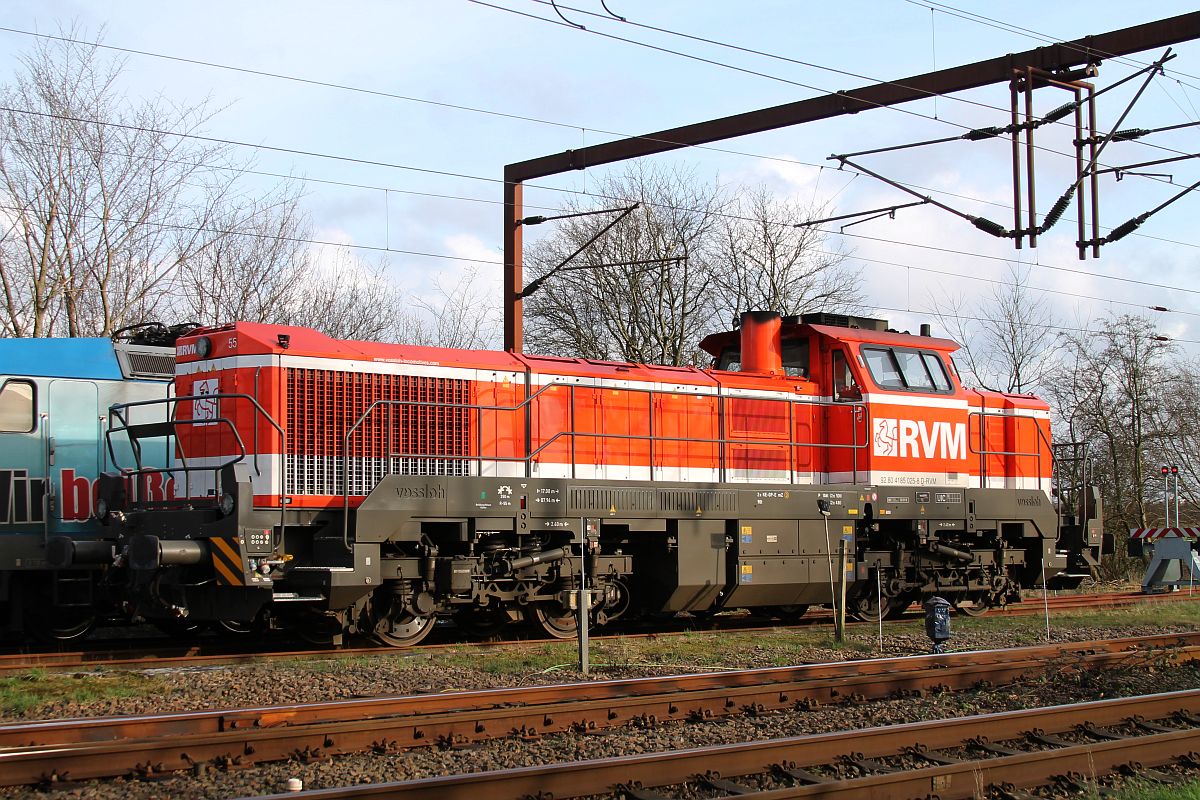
148	745
604	776
85	729
1079	764
158	655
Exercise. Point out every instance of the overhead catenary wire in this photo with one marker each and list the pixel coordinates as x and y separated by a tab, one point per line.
1016	323
346	87
447	256
798	62
581	193
1008	27
715	42
397	96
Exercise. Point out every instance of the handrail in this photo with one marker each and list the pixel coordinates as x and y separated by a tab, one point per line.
532	453
983	413
117	411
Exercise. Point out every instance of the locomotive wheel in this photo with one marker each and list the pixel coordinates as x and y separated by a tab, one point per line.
47	622
791	613
866	608
554	619
237	627
973	606
402	628
60	625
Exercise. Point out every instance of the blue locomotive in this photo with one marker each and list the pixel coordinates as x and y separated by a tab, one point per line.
54	399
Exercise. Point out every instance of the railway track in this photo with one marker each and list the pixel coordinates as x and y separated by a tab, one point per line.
147	745
1069	745
167	655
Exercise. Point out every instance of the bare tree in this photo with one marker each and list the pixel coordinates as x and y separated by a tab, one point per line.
1110	394
458	316
768	262
1009	342
251	265
690	256
95	190
639	292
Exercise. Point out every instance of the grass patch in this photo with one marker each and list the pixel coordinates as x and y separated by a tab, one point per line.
22	694
1184	613
1139	790
515	661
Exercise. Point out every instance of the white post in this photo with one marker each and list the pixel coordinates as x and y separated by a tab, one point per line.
583	605
879	591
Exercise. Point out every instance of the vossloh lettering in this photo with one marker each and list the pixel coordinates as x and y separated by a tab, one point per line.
421	492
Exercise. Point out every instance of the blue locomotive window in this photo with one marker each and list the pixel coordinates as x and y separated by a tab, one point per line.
905	369
17	409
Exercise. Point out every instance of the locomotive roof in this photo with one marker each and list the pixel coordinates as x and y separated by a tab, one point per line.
60	358
886	337
714	343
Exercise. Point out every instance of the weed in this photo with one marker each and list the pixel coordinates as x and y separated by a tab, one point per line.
22	695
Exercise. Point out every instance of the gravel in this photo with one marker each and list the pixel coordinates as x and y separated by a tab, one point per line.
268	683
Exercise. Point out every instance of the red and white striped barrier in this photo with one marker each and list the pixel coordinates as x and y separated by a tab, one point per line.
1151	534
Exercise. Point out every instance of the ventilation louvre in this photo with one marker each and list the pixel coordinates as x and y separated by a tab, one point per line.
401	436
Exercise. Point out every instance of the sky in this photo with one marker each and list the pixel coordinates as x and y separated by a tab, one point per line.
424	89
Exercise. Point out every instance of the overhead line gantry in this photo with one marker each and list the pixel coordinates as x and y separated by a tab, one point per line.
1061	59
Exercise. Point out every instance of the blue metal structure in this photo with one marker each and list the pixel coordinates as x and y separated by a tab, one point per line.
54	399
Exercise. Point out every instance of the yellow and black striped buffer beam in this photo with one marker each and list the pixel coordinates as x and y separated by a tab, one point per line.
227	561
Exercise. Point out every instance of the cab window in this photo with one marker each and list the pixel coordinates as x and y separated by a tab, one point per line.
730	360
937	371
845	388
794	355
17	410
907	369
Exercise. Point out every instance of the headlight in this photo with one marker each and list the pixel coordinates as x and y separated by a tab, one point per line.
203	346
101	509
226	504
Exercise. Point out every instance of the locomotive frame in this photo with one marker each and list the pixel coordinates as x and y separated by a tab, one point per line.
484	528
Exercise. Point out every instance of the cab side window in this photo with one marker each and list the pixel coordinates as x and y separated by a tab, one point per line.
795	357
907	369
18	413
845	388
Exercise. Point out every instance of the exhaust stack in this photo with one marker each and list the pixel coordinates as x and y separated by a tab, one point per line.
761	348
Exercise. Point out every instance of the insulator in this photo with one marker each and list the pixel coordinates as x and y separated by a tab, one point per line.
1057	210
1129	134
1125	228
535	220
1159	308
982	133
987	226
1059	113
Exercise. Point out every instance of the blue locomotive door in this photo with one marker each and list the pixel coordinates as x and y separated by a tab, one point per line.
73	450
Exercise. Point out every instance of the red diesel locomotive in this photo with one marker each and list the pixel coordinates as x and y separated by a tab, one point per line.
350	487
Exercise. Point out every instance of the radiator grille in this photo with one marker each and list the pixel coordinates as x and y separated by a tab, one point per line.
152	365
396	438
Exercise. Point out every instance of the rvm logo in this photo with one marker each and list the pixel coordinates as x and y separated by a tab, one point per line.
908	438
